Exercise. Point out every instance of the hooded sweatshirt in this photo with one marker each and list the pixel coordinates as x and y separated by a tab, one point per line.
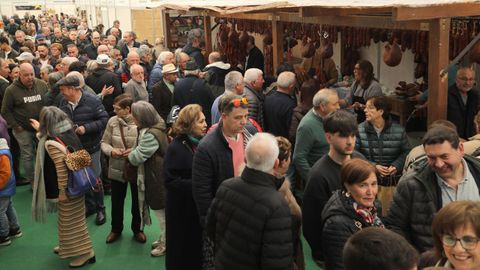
7	177
20	103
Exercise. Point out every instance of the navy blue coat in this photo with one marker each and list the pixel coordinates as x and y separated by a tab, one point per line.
91	114
462	115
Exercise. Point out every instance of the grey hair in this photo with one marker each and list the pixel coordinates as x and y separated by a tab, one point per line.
179	55
144	50
134	66
77	74
54	77
50	117
286	79
232	79
145	114
214	56
191	72
69	60
194	34
322	97
48	68
132	34
162	56
262	152
251	75
91	66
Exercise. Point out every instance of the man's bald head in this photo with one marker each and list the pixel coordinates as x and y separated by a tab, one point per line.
133	58
103	49
214	57
27	75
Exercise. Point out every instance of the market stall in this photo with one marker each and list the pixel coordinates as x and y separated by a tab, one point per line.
431	20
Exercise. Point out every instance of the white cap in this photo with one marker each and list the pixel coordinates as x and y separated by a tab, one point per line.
103	59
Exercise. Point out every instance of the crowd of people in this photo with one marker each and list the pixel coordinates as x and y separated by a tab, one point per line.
235	165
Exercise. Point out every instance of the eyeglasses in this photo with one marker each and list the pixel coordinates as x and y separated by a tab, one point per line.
467	242
236	102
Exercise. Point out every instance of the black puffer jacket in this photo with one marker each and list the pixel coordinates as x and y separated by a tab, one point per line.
91	114
250	224
416	200
212	164
103	77
340	221
390	148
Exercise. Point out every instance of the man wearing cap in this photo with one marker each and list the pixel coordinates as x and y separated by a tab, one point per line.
90	119
136	87
6	51
23	101
162	91
102	77
193	90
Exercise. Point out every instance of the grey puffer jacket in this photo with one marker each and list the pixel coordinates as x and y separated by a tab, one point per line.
112	139
416	200
391	147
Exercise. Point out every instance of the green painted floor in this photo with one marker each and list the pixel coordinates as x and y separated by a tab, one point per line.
34	250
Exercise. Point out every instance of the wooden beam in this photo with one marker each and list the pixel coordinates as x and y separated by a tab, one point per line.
277	38
207	26
438	47
357	21
438	11
333	11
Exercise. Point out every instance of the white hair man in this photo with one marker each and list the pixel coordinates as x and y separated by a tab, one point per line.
269	244
279	105
254	93
311	143
164	58
233	85
136	85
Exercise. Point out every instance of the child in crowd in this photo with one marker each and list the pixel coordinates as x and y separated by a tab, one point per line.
9	227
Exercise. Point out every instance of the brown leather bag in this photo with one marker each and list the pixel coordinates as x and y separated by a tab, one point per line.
130	172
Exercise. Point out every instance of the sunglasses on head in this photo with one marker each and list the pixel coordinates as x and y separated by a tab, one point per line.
236	102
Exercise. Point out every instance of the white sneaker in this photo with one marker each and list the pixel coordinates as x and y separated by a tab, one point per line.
158	251
156	243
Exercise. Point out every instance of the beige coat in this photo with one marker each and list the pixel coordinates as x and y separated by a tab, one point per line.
112	139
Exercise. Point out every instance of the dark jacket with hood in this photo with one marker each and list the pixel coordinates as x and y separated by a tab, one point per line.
416	200
196	54
250	223
20	103
215	77
103	77
340	221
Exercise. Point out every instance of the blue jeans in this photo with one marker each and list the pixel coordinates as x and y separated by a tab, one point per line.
94	200
8	216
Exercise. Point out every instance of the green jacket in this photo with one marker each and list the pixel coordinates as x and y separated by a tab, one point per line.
310	145
20	103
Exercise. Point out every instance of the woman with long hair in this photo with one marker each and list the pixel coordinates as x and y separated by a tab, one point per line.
55	133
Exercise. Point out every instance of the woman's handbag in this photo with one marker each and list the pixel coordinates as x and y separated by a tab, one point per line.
81	177
129	171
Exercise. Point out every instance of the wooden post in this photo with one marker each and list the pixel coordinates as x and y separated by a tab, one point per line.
438	47
207	25
168	36
277	41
